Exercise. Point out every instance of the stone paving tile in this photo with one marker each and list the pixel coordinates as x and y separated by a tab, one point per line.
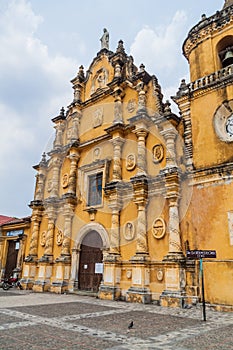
8	319
222	338
62	309
45	337
145	324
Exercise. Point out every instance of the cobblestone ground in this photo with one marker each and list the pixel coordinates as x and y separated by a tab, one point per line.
48	321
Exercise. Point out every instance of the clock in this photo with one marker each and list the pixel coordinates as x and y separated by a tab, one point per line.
223	121
229	125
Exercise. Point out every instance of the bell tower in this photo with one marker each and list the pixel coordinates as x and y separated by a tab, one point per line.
206	109
206	104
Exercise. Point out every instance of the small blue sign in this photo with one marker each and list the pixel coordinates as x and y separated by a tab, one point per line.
14	233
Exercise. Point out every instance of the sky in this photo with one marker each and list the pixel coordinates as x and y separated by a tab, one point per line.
42	44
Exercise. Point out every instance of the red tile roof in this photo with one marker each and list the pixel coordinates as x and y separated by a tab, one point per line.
4	219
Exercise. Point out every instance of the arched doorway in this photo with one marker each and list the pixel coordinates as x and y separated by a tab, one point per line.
90	262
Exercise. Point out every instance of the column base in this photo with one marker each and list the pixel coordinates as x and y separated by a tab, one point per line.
138	295
174	257
140	257
109	293
59	287
41	286
28	275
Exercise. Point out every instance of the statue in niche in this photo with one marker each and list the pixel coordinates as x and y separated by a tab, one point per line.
98	117
129	231
105	40
65	180
96	154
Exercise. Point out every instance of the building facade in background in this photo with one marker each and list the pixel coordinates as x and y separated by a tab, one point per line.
129	187
13	236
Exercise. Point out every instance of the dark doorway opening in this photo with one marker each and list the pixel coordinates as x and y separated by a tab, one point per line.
90	263
11	259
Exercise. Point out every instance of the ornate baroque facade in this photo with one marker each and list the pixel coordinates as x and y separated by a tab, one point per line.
129	186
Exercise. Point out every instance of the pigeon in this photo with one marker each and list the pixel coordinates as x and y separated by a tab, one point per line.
130	326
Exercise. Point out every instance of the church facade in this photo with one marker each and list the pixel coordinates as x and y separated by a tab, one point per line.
128	186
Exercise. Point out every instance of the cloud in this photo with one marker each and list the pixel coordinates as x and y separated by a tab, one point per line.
34	85
160	47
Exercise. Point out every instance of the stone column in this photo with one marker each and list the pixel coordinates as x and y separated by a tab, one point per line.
141	247
48	252
117	144
56	163
33	250
141	159
68	214
74	158
115	232
170	135
174	227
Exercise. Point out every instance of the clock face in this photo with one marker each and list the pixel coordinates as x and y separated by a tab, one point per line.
229	125
223	121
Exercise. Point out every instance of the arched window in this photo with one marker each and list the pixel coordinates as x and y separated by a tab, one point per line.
225	51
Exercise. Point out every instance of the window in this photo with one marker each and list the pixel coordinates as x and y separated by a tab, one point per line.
95	189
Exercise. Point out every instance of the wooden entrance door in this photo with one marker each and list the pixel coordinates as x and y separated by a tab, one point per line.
11	259
90	255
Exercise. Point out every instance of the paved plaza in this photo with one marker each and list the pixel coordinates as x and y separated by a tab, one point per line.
48	321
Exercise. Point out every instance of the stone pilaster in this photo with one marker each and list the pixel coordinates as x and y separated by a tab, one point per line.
141	133
33	249
110	287
49	239
74	158
174	261
170	135
56	164
118	110
73	282
139	290
117	147
140	187
68	214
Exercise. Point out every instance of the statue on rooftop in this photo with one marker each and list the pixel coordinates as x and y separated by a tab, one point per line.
105	40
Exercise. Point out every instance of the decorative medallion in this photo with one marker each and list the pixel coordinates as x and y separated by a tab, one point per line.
129	231
98	117
43	238
131	106
158	153
59	237
158	228
96	154
129	274
160	275
223	121
130	162
65	180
